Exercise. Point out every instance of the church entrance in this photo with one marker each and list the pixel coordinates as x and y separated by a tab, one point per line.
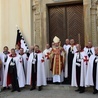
66	21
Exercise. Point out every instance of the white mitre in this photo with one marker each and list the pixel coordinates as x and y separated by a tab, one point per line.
56	39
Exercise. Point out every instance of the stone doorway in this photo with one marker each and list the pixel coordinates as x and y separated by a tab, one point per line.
66	21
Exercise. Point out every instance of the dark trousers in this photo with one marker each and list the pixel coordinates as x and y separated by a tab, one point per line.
94	76
14	78
34	76
78	76
70	59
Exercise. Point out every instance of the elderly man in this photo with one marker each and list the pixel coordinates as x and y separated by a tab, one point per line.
57	56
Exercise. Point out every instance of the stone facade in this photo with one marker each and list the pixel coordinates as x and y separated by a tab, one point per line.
31	17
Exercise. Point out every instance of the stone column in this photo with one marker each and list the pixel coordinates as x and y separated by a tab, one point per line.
87	20
97	21
37	23
93	22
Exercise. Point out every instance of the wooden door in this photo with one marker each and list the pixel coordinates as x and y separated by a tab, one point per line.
66	22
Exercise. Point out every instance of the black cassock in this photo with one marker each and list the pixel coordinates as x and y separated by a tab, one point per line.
34	72
70	60
94	73
12	71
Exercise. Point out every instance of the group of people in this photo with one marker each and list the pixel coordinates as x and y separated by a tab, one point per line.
77	66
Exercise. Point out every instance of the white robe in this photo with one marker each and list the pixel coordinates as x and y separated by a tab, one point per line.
58	78
2	57
83	69
25	60
66	48
20	71
86	50
41	78
89	76
1	75
47	64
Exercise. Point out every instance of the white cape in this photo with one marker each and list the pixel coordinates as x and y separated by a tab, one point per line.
89	77
41	78
92	49
83	70
20	71
2	57
66	48
47	64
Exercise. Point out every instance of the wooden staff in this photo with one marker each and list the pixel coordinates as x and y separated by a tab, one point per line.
79	38
79	43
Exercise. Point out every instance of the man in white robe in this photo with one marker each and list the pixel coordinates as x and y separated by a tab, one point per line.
14	73
89	49
92	72
46	54
66	48
36	70
4	57
68	67
79	69
24	58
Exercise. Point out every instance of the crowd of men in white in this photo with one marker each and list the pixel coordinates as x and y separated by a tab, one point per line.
16	69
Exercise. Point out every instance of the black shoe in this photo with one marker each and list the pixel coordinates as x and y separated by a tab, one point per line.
77	90
12	90
39	88
95	92
4	88
19	90
8	88
81	91
32	88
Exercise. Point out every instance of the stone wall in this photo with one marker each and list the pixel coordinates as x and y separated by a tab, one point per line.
31	17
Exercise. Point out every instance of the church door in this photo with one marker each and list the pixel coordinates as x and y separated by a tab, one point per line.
66	21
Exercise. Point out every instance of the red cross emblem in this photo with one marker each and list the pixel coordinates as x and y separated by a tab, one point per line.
86	60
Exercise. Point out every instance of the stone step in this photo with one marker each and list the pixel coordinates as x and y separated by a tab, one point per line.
64	87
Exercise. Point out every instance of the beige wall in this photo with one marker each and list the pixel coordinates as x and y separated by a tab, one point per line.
0	23
12	13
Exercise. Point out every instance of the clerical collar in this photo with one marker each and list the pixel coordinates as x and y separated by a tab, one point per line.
79	51
13	55
96	54
6	53
21	54
88	47
38	51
